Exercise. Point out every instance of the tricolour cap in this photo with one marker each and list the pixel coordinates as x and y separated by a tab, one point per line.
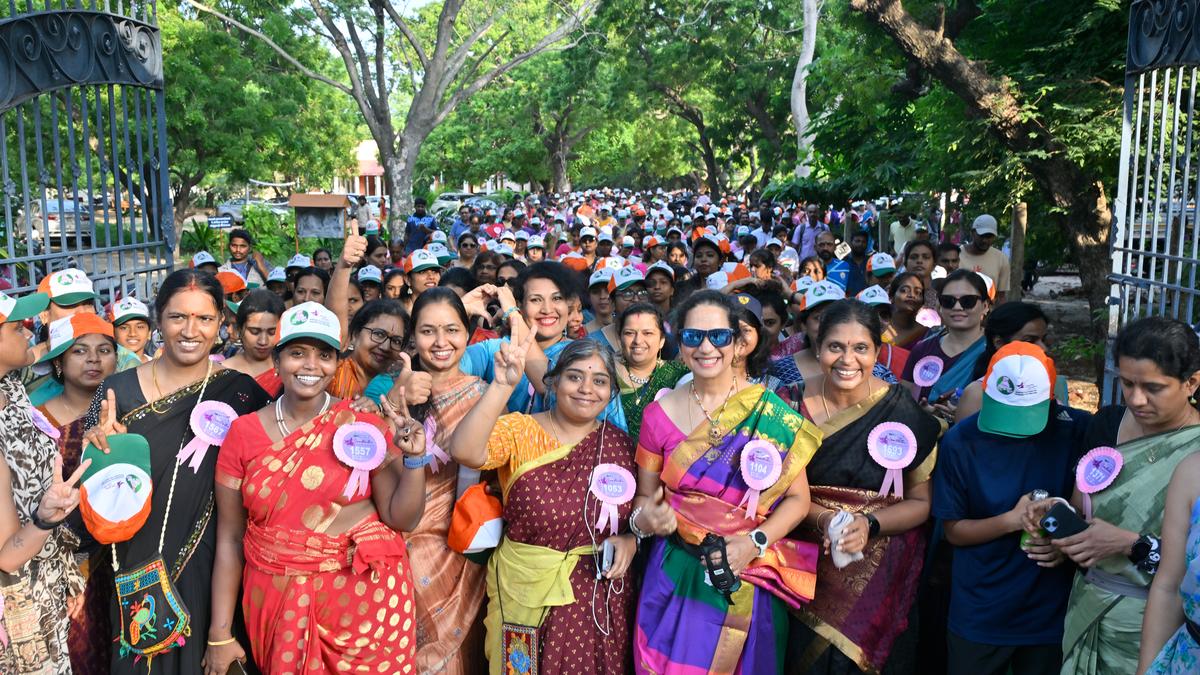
601	276
127	309
68	287
1017	390
421	260
663	267
310	320
881	264
18	309
115	491
536	241
821	292
624	278
64	332
587	232
231	282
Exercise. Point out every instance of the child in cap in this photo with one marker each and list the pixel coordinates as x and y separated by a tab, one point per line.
131	326
205	262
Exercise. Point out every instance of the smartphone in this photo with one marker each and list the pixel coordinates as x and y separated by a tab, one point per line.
607	551
1061	521
236	668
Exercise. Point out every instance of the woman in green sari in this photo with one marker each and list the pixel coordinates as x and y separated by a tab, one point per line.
1159	364
642	371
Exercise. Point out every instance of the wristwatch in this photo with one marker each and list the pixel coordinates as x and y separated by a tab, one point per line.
872	525
1146	553
760	540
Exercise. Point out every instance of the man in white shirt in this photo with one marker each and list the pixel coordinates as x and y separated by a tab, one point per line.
902	232
979	256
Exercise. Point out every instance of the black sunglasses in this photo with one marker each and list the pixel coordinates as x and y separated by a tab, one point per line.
967	302
717	337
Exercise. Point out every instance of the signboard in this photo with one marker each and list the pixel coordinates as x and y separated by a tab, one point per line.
320	222
220	222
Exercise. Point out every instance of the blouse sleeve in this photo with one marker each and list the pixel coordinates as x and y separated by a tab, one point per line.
651	445
231	460
502	444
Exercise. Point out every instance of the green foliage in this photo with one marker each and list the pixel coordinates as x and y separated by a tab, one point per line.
200	238
274	236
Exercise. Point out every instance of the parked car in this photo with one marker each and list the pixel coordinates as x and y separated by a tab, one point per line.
448	201
482	203
59	217
234	208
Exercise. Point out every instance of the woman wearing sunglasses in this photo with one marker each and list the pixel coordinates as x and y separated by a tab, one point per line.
941	365
468	248
721	573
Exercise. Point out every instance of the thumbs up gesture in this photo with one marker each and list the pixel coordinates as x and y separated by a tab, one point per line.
657	517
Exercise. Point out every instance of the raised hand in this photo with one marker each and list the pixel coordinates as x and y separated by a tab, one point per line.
409	434
509	360
108	426
417	385
354	250
63	496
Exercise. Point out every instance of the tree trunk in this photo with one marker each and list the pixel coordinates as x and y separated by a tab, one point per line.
1019	222
560	180
1087	220
800	117
397	181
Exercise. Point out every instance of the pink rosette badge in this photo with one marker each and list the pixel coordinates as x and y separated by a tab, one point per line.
210	423
438	457
928	317
928	371
361	447
43	424
1096	471
761	467
613	486
893	446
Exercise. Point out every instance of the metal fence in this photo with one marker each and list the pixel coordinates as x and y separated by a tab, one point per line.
1154	239
83	170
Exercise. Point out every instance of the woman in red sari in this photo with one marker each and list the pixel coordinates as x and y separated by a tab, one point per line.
256	329
325	576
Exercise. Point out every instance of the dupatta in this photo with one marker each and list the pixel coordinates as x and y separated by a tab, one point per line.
862	608
961	373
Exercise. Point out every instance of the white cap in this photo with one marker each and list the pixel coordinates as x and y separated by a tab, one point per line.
874	295
985	224
938	272
310	320
661	266
522	235
299	260
277	274
536	241
370	273
203	258
625	277
129	308
881	262
68	287
438	236
742	230
587	232
502	249
774	242
627	240
420	260
507	235
821	292
601	276
686	220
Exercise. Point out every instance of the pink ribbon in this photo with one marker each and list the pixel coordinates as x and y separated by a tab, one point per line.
750	501
3	633
196	449
608	512
357	483
892	480
438	458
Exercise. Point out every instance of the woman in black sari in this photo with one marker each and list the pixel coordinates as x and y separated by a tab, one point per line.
156	400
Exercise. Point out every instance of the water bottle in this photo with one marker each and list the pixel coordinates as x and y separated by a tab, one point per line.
1037	496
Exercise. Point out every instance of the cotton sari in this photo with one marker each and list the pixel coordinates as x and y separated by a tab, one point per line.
315	602
449	589
270	383
684	625
635	398
1103	629
862	609
543	573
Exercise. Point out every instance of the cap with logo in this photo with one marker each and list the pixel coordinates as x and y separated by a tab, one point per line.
372	227
938	272
985	224
881	264
663	267
587	232
68	287
127	309
742	230
507	235
536	241
443	254
203	258
821	292
438	236
503	249
750	303
115	490
624	278
650	242
773	241
64	332
370	273
874	295
601	276
18	309
1017	390
299	261
310	320
802	284
421	260
277	274
627	241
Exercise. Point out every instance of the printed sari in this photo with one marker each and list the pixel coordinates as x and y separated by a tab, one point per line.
863	609
541	579
449	589
684	626
634	398
315	602
1103	628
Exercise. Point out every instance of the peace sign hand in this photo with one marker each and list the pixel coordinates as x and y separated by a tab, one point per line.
509	361
410	434
108	426
63	496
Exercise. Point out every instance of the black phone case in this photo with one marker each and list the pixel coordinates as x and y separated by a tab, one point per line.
1061	521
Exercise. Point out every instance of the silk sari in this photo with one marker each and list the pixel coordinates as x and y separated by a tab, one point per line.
449	589
1103	629
862	609
684	625
542	576
634	398
315	602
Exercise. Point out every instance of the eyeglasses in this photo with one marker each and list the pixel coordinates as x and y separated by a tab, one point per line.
379	336
633	294
967	302
717	337
467	244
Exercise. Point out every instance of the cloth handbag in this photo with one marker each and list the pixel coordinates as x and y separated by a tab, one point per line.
476	524
22	621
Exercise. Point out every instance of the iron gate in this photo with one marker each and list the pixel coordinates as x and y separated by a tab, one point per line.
1154	239
83	170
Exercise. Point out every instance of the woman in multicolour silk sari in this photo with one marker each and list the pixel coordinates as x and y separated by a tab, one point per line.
310	532
642	370
693	497
1158	360
449	588
860	616
551	603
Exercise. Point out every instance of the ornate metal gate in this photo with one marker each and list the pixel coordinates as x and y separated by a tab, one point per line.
83	169
1154	239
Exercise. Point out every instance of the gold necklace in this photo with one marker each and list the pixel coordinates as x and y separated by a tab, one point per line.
714	431
825	400
1152	455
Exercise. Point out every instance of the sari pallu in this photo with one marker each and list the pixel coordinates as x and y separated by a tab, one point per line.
1102	631
543	574
315	602
634	398
863	608
683	624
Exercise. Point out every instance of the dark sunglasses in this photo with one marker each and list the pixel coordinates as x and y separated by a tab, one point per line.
468	244
967	302
717	337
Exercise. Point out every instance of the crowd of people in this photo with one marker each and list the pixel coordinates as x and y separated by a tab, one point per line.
604	432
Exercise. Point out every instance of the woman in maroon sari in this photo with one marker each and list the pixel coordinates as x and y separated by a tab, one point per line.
551	603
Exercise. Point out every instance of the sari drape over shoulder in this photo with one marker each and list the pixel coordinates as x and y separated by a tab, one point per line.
316	602
1103	629
864	607
685	626
449	588
543	574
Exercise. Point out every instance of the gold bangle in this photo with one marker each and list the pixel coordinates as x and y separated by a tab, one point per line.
831	512
222	643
